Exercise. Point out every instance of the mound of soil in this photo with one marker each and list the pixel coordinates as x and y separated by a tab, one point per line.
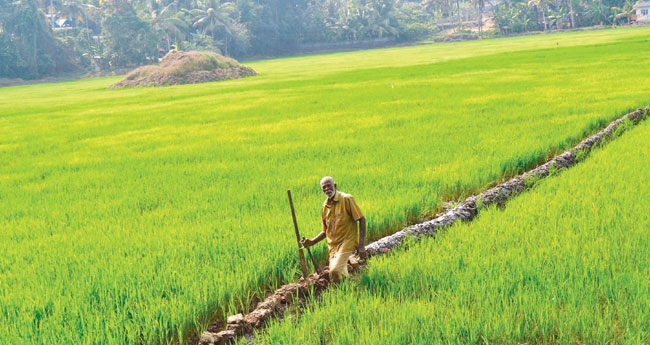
179	67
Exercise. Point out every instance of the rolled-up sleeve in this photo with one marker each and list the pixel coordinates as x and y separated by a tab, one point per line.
353	209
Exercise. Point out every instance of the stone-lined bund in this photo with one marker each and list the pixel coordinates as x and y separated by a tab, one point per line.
287	295
468	209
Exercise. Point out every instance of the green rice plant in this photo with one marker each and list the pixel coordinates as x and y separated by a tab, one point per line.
137	216
565	263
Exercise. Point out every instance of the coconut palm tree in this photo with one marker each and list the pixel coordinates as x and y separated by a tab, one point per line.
540	5
480	6
378	18
558	15
627	11
458	8
28	24
572	13
166	25
514	16
215	16
599	12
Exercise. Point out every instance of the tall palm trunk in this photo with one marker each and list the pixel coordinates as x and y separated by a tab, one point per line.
458	7
35	57
480	19
542	13
52	13
572	14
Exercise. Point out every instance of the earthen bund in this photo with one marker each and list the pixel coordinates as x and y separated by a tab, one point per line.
289	295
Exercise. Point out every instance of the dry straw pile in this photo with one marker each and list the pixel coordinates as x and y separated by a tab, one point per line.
179	67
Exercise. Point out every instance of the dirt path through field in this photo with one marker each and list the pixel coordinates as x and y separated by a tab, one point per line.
294	295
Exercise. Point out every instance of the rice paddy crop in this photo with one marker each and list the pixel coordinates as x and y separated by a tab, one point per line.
135	216
567	263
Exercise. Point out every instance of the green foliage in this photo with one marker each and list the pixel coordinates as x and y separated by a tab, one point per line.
31	50
530	181
129	40
512	16
8	57
201	42
566	263
129	33
133	216
87	47
415	22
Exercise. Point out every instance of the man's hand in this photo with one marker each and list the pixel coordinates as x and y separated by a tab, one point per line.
306	242
362	239
361	251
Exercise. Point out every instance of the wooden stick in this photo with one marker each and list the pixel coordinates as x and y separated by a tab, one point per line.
311	257
301	255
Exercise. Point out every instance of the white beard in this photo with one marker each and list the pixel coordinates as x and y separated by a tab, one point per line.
331	194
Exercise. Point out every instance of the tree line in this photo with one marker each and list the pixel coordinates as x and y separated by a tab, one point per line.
45	37
512	16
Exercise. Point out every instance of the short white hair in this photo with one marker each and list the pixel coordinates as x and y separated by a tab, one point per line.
326	179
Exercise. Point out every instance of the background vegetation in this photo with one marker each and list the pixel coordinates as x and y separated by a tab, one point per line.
99	35
135	216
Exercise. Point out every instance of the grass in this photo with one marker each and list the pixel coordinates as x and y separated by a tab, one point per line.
136	216
566	263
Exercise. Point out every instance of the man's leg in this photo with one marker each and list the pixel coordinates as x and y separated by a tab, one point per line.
339	266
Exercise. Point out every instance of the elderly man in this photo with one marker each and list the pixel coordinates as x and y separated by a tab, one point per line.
340	215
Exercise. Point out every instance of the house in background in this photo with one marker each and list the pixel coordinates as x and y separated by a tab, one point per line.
642	9
64	23
58	23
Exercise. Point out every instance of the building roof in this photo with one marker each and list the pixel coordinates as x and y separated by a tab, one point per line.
64	22
643	4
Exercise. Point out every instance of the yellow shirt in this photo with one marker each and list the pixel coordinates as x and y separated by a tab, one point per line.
340	218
